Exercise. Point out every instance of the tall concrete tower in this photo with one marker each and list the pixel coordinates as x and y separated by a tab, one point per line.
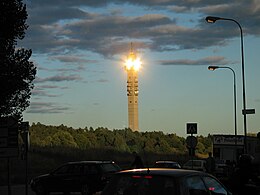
132	66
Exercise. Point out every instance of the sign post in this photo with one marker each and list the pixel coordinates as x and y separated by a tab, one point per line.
8	142
191	141
24	127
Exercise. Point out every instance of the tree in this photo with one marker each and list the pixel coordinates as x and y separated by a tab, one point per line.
64	139
16	71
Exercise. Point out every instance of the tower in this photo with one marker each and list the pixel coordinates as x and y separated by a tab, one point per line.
132	66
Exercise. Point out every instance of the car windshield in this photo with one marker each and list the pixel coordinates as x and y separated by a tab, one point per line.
141	184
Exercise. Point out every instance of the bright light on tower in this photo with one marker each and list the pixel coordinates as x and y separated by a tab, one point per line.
133	62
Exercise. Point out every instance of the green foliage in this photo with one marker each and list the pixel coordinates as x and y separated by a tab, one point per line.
63	139
123	140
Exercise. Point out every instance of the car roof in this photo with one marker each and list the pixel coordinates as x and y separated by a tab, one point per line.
162	172
197	160
91	162
165	161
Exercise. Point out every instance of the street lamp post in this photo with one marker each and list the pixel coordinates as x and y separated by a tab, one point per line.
212	19
235	99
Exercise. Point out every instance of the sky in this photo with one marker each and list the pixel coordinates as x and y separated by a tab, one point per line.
79	48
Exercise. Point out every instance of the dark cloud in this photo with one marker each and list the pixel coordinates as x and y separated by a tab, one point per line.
102	3
59	78
52	14
71	59
213	60
62	25
42	93
106	34
47	108
78	68
41	90
102	80
40	87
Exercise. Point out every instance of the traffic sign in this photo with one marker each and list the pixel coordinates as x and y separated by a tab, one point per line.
8	137
8	122
248	111
191	141
191	128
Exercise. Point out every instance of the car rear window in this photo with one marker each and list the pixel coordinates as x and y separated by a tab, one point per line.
109	167
194	163
141	184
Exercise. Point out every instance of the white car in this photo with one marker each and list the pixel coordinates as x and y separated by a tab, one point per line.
199	165
222	169
167	164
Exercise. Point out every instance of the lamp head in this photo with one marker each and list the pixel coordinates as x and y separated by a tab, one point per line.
213	68
212	19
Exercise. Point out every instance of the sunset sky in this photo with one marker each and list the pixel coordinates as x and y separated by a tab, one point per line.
79	47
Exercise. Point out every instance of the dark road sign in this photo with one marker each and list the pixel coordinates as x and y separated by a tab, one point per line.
8	137
191	141
191	128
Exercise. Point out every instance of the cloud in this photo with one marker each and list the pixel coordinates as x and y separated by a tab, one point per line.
52	13
47	108
71	59
63	25
78	68
42	93
103	3
213	60
58	78
40	90
102	80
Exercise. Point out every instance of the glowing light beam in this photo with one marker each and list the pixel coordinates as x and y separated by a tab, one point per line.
132	62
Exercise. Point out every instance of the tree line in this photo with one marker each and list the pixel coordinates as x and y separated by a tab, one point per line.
121	140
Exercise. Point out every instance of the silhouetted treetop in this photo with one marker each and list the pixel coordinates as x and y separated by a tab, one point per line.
16	71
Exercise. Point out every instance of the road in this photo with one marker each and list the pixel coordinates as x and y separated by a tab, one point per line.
15	190
20	190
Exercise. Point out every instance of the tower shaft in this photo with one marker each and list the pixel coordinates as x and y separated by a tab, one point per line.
132	93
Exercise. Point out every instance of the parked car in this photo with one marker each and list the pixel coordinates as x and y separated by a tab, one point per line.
86	177
167	164
222	169
199	165
164	181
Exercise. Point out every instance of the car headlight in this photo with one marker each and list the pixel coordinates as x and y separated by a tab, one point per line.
34	181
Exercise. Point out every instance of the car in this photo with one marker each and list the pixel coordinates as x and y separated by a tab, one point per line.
163	181
222	169
199	165
86	177
167	164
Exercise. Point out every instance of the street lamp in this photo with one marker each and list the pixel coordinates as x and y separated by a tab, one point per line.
212	19
235	99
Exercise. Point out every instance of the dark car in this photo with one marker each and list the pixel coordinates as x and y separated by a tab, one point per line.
167	164
86	177
163	181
